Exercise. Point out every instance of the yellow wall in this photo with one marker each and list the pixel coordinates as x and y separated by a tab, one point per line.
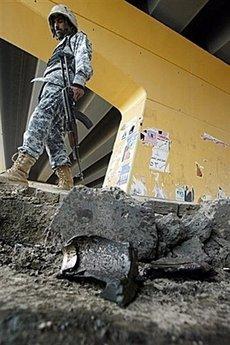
156	78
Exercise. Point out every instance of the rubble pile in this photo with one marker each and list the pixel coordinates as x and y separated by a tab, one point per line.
183	253
199	235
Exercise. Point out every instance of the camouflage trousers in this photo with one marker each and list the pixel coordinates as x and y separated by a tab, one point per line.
46	129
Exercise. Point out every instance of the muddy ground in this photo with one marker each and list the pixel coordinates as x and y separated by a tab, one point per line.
38	308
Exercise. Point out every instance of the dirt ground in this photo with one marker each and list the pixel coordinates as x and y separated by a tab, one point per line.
38	308
44	310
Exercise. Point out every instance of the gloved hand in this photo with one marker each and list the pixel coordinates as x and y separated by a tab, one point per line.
77	92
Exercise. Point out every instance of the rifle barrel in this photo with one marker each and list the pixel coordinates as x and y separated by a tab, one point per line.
71	122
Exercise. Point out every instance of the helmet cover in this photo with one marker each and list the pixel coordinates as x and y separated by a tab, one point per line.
63	10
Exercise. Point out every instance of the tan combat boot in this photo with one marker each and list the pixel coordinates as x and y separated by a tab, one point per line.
19	171
65	177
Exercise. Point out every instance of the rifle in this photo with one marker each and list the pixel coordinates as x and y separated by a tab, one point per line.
72	114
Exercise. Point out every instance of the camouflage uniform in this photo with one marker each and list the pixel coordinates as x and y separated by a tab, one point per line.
47	124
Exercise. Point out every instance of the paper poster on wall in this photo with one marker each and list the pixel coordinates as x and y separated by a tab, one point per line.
149	136
184	193
180	194
160	153
121	159
128	151
124	174
123	178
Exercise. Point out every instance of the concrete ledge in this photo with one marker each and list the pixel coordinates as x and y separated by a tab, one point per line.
164	207
44	192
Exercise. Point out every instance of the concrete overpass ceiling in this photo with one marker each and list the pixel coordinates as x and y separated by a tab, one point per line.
204	22
224	52
176	14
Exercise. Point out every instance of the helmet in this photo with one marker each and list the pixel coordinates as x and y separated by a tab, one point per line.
65	11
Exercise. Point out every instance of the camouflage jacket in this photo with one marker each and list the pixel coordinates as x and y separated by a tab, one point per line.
78	50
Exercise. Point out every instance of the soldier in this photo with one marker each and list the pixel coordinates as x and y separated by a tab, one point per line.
46	127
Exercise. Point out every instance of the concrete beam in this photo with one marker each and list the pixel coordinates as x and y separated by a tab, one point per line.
176	14
220	36
224	53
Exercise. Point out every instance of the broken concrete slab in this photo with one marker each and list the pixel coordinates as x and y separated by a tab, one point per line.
170	233
187	208
108	213
161	206
43	192
211	224
47	188
191	250
219	210
218	249
198	224
24	216
211	217
24	222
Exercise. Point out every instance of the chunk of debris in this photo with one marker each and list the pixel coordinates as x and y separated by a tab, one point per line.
191	250
171	232
111	262
198	225
177	268
108	213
